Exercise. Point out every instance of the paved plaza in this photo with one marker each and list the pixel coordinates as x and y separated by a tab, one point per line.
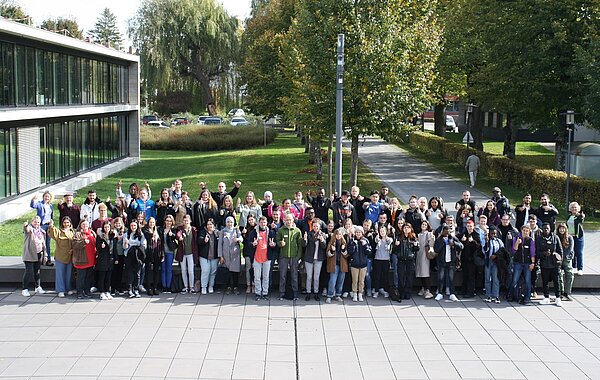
235	337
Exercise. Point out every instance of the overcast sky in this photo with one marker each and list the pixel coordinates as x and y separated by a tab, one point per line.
86	12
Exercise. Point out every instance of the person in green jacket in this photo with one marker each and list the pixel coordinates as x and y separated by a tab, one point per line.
289	240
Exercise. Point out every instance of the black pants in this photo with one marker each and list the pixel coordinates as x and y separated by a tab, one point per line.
133	267
103	280
85	277
469	271
381	271
534	276
116	279
547	275
233	279
406	276
153	280
425	282
32	270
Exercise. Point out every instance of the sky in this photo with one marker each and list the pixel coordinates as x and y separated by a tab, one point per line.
86	12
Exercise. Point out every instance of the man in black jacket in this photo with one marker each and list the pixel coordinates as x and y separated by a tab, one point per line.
546	213
523	211
549	253
472	247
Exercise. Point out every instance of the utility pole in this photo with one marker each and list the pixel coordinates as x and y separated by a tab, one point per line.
339	105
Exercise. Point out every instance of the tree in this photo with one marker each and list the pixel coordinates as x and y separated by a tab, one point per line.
106	30
11	10
62	25
186	38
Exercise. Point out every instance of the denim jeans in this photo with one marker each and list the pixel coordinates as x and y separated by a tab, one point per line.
261	277
166	273
492	284
368	275
248	267
336	282
48	239
567	285
578	254
394	261
63	273
445	278
522	269
208	272
313	271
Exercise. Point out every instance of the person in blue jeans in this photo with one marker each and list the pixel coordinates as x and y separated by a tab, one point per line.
575	227
44	211
523	250
491	250
337	265
168	239
370	236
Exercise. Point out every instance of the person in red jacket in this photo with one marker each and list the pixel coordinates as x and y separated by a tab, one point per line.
84	258
187	253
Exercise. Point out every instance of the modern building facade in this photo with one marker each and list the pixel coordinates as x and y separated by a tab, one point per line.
66	107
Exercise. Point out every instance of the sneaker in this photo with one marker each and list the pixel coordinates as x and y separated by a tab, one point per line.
257	297
109	296
453	298
236	291
360	297
228	291
281	298
317	298
352	294
375	294
324	293
131	294
184	290
203	291
384	293
345	294
80	296
295	298
534	295
355	298
545	301
439	297
421	292
211	290
496	300
93	289
447	291
71	292
328	300
428	295
558	302
61	295
137	294
103	296
193	290
141	288
338	298
575	271
489	299
26	293
248	288
265	297
579	272
49	263
569	298
39	290
308	297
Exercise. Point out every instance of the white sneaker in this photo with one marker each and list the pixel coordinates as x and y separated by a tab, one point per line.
93	289
545	301
428	295
574	271
103	296
355	298
71	292
211	290
345	294
453	298
26	293
141	288
579	272
204	291
439	297
328	300
384	293
39	290
324	293
61	295
109	296
558	302
360	297
421	292
447	291
375	294
352	294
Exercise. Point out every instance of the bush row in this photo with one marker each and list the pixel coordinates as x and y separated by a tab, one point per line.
535	181
204	138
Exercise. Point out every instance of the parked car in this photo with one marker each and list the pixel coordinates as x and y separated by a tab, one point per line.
180	121
236	121
202	118
213	120
451	124
148	118
157	124
236	112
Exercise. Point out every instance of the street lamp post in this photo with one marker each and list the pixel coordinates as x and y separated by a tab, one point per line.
570	122
339	105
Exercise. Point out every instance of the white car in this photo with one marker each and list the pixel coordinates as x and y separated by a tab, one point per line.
238	121
157	124
450	124
236	112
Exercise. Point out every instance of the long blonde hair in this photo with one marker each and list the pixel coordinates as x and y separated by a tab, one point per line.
333	240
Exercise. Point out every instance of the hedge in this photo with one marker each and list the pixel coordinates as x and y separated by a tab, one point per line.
535	181
204	138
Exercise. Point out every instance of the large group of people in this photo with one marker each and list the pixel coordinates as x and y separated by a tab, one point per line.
345	245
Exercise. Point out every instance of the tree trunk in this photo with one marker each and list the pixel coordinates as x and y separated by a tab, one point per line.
510	139
477	128
330	165
354	161
318	158
306	142
439	119
207	94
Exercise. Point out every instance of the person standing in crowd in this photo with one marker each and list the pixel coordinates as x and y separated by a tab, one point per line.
491	250
146	205
183	207
490	212
504	261
314	242
229	254
168	240
426	241
408	246
63	255
384	194
134	248
187	253
34	247
413	214
105	258
119	264
369	234
286	207
89	208
44	211
575	226
381	263
501	202
357	201
523	211
209	257
307	224
436	213
546	213
102	217
299	204
523	249
175	191
534	232
549	251
68	208
337	265
226	210
84	258
472	166
289	241
446	246
343	209
205	208
466	200
154	257
219	195
248	252
268	205
119	209
396	234
394	211
472	247
359	250
164	206
247	208
320	204
263	243
374	208
567	244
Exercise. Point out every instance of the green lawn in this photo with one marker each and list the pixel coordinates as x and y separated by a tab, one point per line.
280	167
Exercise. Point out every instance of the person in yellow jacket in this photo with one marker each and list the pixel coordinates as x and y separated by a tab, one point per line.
63	255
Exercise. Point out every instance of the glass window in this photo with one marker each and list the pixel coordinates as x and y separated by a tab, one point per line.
62	79
20	76
7	84
12	156
85	81
43	155
74	80
3	163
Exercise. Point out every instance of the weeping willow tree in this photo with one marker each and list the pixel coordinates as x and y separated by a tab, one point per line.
194	39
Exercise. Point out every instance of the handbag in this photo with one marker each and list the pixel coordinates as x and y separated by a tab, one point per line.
430	253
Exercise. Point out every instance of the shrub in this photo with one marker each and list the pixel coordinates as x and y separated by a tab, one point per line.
535	181
204	138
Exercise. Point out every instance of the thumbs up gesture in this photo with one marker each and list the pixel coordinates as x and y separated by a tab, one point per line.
103	245
305	235
397	242
206	239
255	242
